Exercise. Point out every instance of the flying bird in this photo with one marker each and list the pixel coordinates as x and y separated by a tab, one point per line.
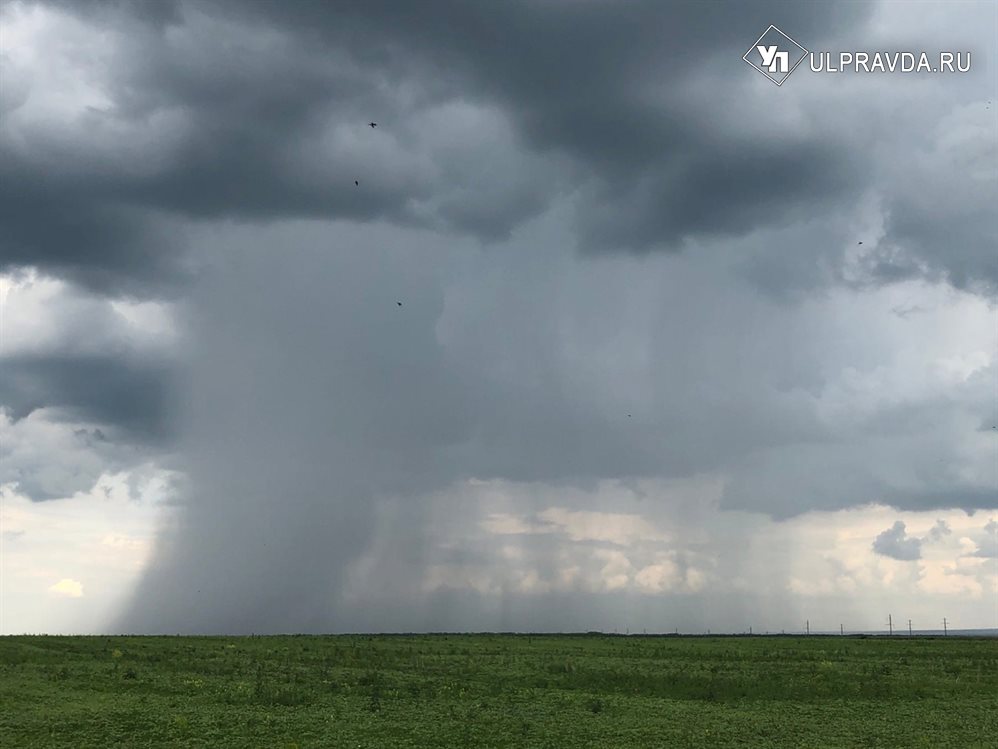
356	183
399	303
372	124
861	243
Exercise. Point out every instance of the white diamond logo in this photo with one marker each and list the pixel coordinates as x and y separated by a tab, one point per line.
776	55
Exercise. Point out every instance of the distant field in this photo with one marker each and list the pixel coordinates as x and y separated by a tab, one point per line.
498	691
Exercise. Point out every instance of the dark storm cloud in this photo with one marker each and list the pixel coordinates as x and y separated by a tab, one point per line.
596	81
961	249
314	399
716	190
131	396
69	232
257	88
956	494
86	383
158	13
939	195
646	107
316	402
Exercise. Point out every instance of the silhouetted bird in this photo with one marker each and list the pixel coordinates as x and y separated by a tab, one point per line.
861	243
372	124
356	182
399	303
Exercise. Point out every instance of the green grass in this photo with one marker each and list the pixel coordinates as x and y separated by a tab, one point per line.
497	691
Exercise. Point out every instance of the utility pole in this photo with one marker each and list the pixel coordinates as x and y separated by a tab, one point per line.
841	630
944	626
890	624
807	626
750	631
909	628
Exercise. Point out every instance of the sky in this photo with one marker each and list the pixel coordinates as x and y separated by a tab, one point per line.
597	329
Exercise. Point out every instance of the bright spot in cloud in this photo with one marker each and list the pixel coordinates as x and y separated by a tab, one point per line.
68	587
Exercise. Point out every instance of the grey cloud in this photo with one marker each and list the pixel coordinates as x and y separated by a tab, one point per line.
588	82
70	232
940	218
316	402
76	363
939	531
643	111
896	544
109	389
596	83
312	400
987	543
717	190
250	139
156	13
53	454
956	494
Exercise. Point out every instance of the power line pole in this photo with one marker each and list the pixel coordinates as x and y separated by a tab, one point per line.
890	625
909	628
807	625
841	630
944	626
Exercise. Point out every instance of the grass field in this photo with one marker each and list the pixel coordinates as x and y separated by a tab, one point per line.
497	691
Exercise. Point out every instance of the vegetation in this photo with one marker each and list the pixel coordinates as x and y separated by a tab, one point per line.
497	691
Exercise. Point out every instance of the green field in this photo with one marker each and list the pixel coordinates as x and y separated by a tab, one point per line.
497	690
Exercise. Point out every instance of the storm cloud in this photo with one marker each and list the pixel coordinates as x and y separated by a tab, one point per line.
274	126
585	246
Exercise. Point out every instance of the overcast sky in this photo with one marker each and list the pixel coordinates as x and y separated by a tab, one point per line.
597	329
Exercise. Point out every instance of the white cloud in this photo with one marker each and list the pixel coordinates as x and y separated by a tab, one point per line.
49	455
577	525
44	315
103	536
660	577
822	564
